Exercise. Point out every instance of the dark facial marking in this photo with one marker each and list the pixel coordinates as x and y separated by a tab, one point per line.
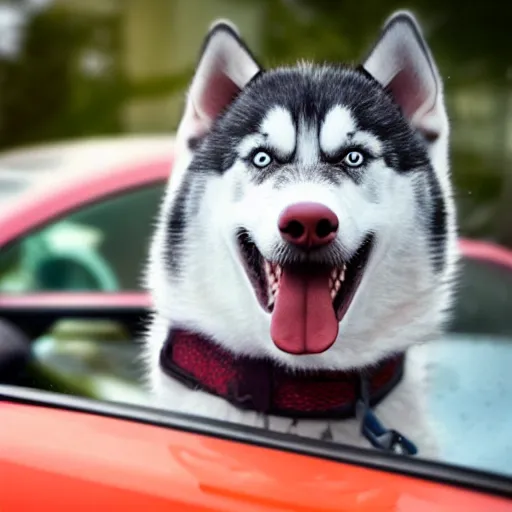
193	142
432	214
438	223
177	226
186	204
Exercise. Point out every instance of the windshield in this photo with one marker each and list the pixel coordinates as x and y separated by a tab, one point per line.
332	257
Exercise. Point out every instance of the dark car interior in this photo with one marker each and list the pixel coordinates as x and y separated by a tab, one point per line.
19	328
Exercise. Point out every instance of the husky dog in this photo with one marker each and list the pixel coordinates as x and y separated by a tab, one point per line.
306	243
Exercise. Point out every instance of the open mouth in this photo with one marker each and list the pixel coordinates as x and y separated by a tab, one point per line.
307	300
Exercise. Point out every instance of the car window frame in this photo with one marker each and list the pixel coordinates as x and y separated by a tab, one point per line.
61	216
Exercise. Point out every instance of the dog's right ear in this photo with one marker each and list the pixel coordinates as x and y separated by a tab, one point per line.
225	66
403	64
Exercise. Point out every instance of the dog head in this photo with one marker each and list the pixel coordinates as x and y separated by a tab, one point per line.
309	215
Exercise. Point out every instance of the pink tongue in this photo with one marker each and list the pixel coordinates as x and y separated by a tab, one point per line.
303	320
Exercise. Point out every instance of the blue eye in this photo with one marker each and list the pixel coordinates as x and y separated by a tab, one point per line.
261	159
354	159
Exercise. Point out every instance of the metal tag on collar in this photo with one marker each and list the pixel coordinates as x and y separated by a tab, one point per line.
380	437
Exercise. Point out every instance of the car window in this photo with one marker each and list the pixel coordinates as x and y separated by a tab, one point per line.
100	247
483	299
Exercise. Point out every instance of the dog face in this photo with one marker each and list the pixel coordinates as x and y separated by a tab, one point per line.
309	216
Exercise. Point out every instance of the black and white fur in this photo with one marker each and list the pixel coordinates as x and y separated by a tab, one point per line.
393	107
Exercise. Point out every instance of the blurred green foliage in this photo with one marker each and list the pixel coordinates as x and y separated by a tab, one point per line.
68	78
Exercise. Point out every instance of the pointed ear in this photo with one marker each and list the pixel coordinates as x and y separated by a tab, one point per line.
225	67
401	61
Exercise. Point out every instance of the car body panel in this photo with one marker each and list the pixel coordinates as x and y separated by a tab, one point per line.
57	459
39	207
486	251
35	170
96	300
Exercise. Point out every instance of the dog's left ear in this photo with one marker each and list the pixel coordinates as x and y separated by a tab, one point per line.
401	61
224	69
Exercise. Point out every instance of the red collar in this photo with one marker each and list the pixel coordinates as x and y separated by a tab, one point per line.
259	385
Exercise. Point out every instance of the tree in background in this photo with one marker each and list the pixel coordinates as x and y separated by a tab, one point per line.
62	71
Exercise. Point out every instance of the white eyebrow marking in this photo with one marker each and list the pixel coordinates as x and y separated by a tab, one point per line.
339	130
368	141
249	143
279	128
336	127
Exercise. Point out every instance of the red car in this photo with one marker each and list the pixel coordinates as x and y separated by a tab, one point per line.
64	256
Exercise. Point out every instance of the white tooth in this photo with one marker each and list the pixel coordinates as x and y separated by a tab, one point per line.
279	271
334	273
337	285
333	294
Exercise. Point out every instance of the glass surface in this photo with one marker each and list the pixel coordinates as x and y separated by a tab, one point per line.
86	250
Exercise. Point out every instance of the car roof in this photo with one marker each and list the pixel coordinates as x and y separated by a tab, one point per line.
28	170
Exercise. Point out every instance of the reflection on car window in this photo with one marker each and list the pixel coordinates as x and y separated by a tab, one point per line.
484	299
101	247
